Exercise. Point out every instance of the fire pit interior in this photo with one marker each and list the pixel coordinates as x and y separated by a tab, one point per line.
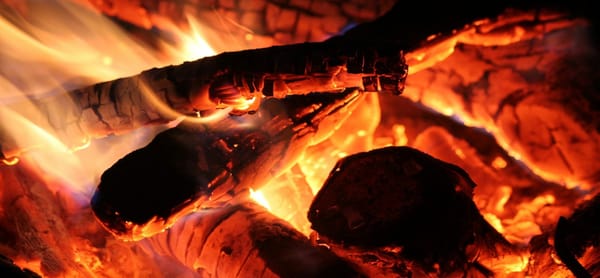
152	138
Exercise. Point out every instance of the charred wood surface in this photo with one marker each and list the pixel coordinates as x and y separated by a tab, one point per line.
246	241
201	166
232	79
249	23
399	196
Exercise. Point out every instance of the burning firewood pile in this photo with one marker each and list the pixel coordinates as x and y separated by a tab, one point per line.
314	139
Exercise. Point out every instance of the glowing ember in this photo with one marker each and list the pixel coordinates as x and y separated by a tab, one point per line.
499	163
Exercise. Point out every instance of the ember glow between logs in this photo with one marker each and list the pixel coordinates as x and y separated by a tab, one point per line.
453	108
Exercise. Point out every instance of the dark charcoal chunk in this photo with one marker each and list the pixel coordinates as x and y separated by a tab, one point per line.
399	196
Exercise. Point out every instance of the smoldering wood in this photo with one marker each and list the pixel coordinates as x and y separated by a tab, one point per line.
230	79
45	231
193	166
475	150
454	15
573	240
245	240
399	196
29	209
249	24
524	94
577	233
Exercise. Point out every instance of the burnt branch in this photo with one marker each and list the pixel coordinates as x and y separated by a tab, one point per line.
236	80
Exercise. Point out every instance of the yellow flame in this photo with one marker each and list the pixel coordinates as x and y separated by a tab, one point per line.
49	153
401	139
260	198
61	45
11	161
192	44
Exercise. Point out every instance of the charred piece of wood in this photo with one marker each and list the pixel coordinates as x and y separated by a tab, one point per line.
246	241
9	269
236	80
401	197
579	234
196	166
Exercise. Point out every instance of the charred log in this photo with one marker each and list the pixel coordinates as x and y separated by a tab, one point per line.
398	196
202	166
235	79
246	241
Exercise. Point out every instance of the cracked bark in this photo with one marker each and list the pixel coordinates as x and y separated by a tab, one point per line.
535	96
231	79
477	151
249	24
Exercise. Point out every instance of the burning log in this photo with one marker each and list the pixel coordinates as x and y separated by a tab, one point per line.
401	197
184	169
246	241
237	79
